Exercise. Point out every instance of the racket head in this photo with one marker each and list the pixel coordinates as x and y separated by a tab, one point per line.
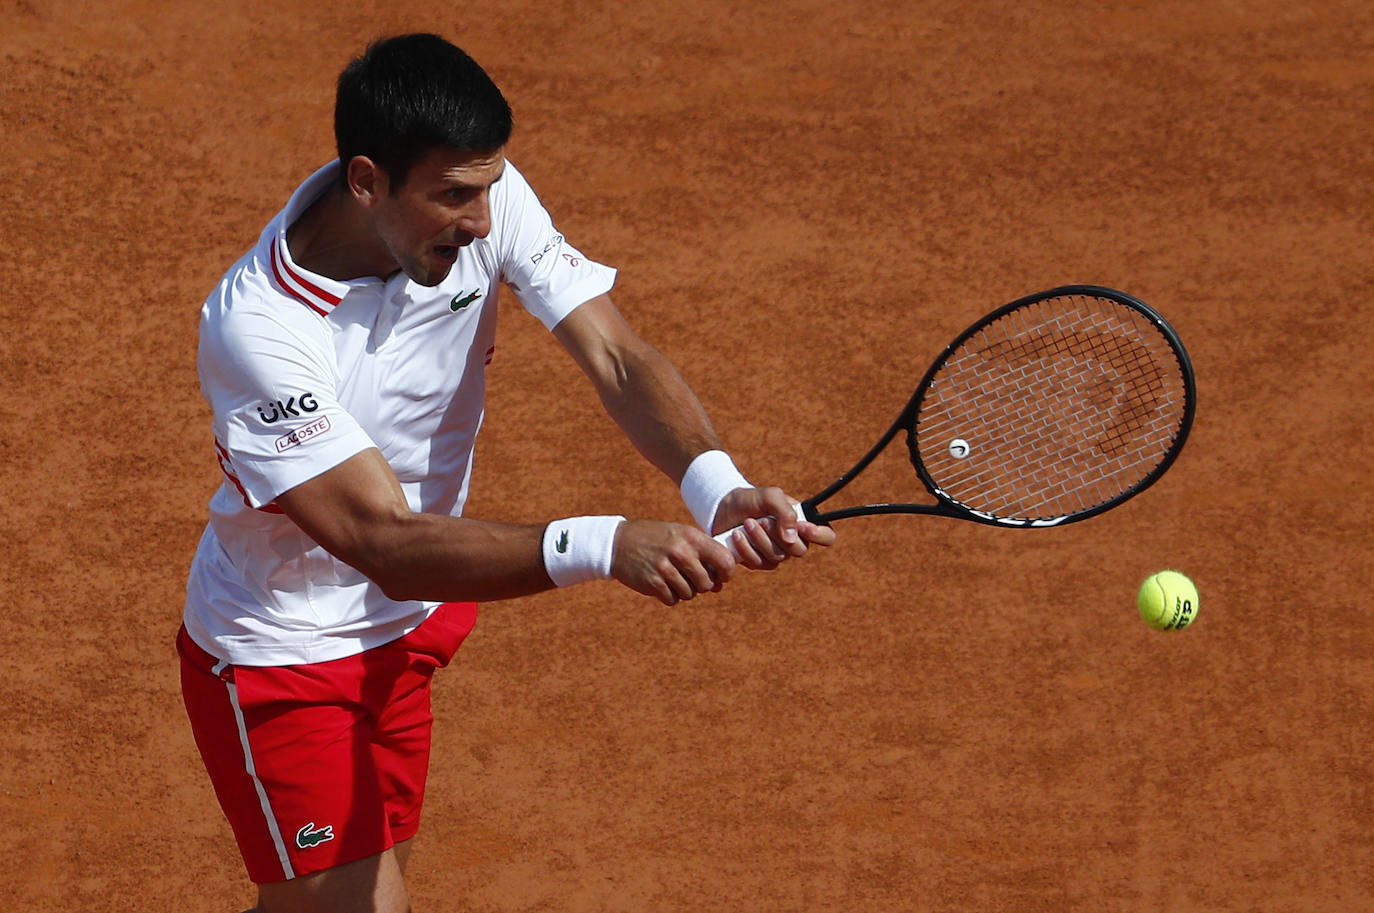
1052	409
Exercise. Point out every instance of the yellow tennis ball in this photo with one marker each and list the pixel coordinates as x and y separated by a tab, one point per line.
1167	601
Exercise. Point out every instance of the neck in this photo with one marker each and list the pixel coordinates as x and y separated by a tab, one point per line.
334	238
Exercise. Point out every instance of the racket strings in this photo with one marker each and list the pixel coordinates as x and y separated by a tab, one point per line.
1062	405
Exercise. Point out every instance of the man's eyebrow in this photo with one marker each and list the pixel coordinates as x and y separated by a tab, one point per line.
461	182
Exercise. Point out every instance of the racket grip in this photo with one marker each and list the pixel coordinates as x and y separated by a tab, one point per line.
727	538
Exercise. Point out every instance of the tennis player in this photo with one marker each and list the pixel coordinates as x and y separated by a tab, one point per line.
344	359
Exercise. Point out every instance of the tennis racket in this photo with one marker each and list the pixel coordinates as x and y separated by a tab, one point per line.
1049	410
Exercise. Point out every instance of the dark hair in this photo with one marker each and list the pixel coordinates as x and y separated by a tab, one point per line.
409	93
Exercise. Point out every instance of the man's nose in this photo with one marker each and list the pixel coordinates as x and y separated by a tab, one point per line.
476	218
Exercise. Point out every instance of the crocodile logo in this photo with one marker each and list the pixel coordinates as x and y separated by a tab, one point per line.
562	544
460	302
310	836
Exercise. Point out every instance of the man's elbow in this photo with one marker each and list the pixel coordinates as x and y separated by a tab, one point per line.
396	587
379	565
395	583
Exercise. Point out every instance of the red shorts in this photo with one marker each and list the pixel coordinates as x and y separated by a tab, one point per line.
321	764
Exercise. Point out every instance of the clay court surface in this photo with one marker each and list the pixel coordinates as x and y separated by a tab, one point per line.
806	200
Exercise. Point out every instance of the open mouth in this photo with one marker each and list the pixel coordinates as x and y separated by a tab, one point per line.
446	252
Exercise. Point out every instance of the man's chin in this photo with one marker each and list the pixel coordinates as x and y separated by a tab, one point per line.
429	273
435	268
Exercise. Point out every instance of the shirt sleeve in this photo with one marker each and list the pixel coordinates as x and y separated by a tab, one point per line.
550	276
273	390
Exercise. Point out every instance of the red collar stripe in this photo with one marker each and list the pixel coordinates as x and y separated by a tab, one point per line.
299	287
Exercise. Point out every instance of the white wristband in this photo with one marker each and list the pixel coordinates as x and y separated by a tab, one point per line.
710	477
579	549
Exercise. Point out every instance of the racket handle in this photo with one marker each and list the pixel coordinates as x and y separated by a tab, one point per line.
727	538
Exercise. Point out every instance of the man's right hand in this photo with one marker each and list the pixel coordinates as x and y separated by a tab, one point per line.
670	561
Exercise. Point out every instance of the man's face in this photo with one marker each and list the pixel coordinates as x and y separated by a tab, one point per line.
444	204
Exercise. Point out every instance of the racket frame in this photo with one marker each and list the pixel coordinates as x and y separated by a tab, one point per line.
945	505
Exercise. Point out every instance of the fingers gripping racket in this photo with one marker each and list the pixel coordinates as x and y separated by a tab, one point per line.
1049	410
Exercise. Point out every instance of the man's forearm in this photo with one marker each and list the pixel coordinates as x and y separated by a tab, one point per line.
435	557
357	512
658	412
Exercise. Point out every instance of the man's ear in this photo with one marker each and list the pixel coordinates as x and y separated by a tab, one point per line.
366	180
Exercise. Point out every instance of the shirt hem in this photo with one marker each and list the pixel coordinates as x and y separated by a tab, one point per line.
321	648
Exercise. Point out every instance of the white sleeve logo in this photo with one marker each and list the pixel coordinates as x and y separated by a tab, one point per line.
313	430
554	242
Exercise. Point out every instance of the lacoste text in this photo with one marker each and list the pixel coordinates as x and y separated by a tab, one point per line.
316	428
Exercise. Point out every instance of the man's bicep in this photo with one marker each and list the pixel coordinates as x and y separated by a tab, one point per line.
344	508
599	340
641	389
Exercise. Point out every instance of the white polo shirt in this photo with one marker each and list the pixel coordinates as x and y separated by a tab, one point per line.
303	372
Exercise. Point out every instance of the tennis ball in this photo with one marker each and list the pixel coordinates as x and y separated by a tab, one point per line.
1167	601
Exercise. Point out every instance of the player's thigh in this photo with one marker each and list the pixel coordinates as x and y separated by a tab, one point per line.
402	851
371	885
